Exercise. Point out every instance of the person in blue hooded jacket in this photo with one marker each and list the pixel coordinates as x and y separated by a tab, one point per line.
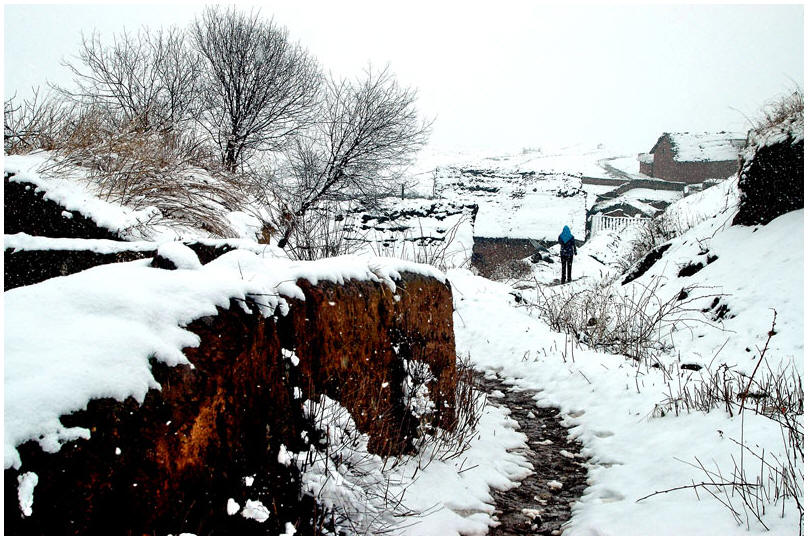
568	249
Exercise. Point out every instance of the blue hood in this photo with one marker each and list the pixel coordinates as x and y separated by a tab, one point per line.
565	235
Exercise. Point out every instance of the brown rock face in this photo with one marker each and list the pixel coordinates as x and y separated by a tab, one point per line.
170	464
354	340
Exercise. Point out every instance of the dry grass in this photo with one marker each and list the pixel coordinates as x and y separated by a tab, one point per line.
777	395
162	169
634	322
779	110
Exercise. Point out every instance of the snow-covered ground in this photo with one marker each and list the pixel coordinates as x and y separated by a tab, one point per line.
614	406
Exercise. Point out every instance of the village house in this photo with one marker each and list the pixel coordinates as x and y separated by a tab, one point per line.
693	157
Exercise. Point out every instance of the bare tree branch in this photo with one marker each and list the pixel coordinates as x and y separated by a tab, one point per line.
368	133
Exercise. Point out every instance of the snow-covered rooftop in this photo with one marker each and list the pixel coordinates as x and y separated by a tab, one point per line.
721	146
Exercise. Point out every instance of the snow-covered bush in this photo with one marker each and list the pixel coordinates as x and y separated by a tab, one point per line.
633	321
358	492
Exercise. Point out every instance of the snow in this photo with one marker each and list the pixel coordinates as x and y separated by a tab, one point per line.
74	194
255	510
284	457
24	241
25	492
423	230
612	407
181	255
518	204
450	496
104	324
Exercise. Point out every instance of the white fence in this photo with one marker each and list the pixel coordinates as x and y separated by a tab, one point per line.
614	223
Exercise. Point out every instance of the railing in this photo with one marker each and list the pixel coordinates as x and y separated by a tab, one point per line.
614	223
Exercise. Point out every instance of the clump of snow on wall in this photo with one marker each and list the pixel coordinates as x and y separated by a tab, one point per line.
255	510
416	388
183	257
25	492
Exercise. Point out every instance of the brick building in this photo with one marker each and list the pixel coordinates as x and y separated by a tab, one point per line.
693	157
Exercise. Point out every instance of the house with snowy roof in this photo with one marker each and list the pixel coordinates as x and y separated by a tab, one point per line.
693	157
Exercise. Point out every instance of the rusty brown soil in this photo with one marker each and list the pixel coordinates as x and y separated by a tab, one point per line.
537	507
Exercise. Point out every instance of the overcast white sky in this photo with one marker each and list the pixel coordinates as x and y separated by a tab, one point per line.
501	75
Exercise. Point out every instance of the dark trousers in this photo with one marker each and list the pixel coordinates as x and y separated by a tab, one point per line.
566	269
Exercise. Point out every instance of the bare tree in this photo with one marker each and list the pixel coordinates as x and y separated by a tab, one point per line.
259	89
368	134
147	81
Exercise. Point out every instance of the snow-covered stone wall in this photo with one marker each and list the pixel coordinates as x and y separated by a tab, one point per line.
144	424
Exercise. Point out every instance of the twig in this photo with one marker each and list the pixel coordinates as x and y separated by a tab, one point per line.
762	353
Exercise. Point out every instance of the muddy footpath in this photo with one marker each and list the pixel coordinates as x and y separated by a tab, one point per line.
541	504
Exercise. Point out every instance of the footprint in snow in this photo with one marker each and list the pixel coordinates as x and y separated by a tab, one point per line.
610	496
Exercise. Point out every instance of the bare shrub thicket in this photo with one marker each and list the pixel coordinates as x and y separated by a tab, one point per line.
258	88
633	322
326	232
367	132
35	123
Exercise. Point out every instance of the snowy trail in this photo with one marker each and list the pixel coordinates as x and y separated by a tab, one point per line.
541	504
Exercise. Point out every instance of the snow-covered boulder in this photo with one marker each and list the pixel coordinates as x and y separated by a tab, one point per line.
771	179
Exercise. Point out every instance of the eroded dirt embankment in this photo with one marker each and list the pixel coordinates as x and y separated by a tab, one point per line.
541	504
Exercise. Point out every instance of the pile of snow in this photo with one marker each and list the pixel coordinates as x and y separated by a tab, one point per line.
180	255
432	231
74	188
75	193
412	495
26	242
518	204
